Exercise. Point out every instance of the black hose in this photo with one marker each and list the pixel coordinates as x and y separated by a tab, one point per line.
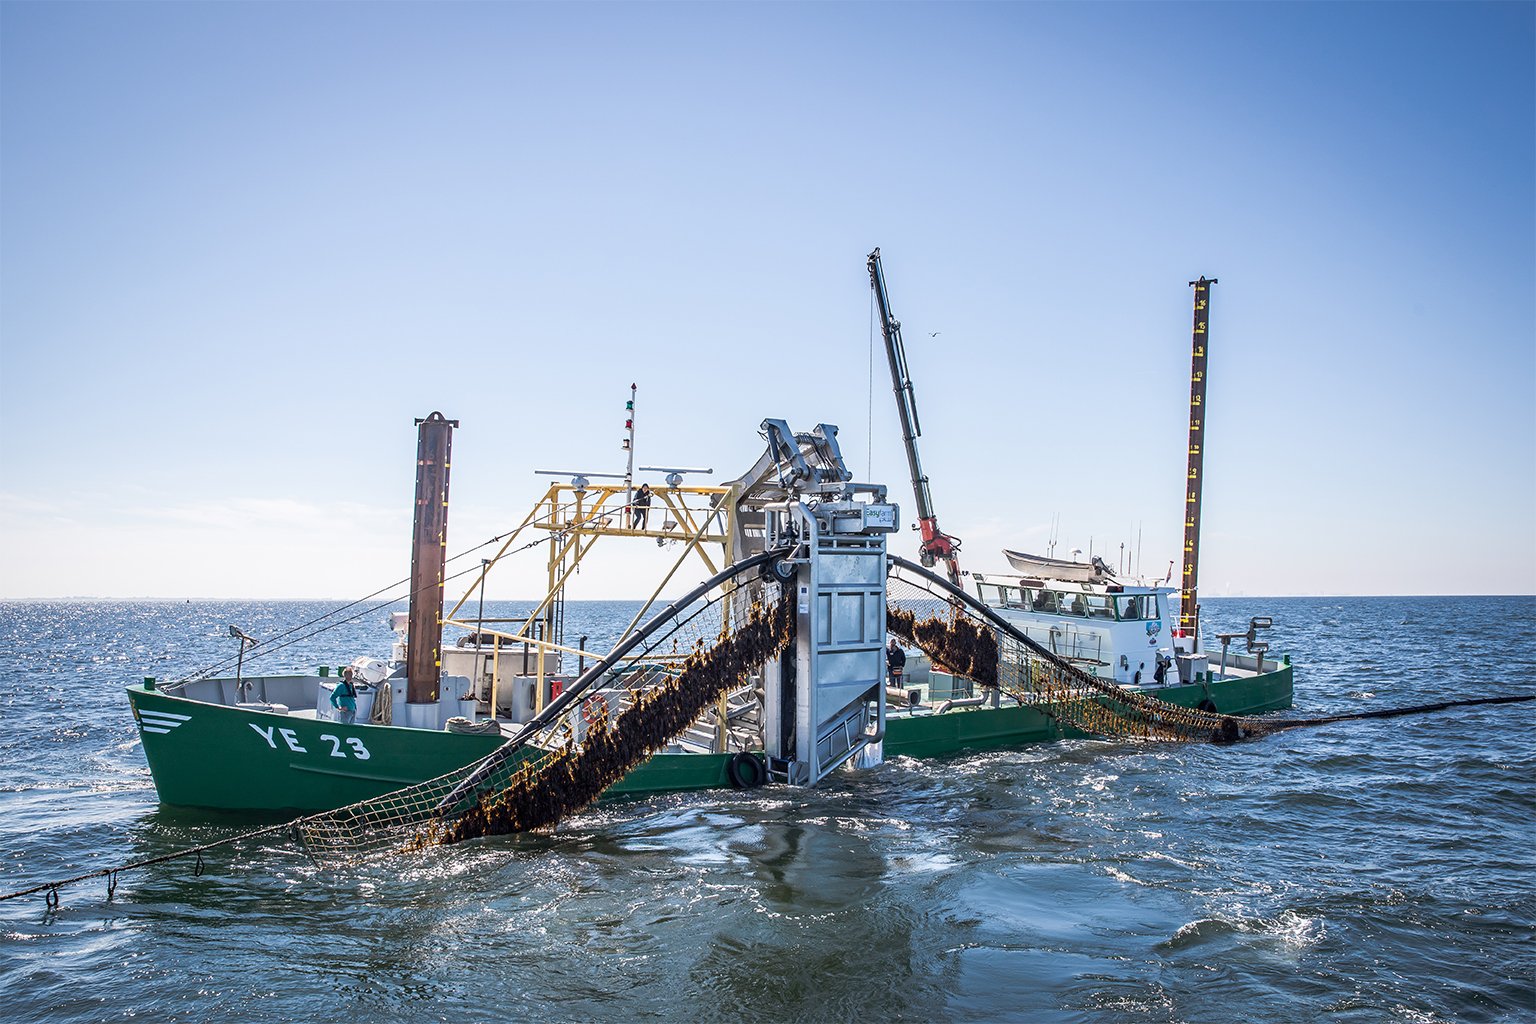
591	676
1266	725
1417	709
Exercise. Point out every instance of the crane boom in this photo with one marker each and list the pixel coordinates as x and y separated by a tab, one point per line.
936	544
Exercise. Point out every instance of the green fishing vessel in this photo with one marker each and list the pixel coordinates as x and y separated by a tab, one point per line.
1051	650
278	742
204	753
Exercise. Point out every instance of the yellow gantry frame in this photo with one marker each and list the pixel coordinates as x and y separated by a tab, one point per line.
703	518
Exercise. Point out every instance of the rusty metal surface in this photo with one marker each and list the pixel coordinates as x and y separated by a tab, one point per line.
429	553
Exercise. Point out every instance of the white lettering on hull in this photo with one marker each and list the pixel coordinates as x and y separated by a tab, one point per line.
271	733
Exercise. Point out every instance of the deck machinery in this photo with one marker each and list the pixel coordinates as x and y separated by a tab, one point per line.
936	545
824	699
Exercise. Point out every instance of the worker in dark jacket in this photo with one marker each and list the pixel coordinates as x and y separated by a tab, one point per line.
641	507
895	663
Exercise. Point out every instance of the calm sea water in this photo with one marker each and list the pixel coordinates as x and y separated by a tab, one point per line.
1368	871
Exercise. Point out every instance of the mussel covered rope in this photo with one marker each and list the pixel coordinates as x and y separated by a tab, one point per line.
962	637
543	792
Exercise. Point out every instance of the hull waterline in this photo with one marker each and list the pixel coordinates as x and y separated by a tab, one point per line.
216	757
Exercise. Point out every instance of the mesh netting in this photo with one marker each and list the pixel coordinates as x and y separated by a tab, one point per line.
615	717
576	775
962	638
623	712
691	658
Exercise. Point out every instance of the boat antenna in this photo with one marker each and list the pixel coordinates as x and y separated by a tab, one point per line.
629	450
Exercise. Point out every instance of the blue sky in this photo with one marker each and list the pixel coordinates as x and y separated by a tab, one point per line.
242	246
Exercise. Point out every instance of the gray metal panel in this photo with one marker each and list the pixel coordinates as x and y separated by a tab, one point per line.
839	695
874	620
842	667
864	568
848	618
843	676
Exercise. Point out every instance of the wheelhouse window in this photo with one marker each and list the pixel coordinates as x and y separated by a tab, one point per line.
1136	606
1000	595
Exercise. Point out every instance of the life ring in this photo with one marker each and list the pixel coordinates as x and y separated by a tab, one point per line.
746	771
593	710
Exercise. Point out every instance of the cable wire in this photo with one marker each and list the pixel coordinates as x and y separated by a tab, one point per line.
270	646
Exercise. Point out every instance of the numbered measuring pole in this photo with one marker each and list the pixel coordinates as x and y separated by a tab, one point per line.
1189	610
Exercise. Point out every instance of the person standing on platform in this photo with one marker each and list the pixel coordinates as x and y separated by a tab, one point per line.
641	507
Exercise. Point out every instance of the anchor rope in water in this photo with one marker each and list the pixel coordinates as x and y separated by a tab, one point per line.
966	638
381	818
517	800
1417	709
111	873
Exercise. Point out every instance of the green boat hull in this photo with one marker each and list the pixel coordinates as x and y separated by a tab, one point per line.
212	756
926	736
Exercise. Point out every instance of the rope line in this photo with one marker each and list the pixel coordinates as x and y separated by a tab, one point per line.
967	638
269	645
1417	709
349	833
558	762
111	873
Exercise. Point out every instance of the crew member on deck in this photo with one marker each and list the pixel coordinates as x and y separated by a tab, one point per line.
895	663
344	698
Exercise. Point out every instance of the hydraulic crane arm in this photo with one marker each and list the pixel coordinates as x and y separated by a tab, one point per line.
936	544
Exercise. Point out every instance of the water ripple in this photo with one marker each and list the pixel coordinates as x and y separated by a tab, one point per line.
1366	872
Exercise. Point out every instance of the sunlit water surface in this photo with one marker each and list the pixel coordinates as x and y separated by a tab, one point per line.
1368	871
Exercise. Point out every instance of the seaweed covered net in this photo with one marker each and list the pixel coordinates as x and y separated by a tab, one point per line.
609	721
571	778
962	637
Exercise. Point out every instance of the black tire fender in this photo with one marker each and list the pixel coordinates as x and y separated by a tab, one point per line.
746	770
